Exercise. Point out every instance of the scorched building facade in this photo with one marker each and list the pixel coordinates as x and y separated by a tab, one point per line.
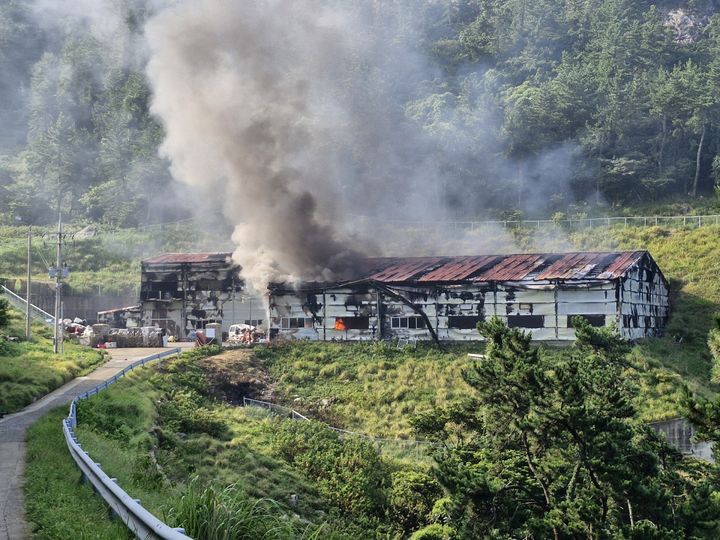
445	297
182	292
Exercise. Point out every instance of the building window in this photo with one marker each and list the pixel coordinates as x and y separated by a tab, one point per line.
352	323
296	322
525	309
413	323
254	322
594	320
464	322
526	321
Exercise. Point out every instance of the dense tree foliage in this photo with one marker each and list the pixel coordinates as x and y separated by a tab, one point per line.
522	101
549	447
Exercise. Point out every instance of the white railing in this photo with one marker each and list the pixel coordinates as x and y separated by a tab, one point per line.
19	303
140	521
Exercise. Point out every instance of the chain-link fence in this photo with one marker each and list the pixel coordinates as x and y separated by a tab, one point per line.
414	449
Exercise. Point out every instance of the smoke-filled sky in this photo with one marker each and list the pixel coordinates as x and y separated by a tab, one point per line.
306	122
289	114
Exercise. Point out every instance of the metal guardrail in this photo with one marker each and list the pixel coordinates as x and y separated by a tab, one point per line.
141	522
18	302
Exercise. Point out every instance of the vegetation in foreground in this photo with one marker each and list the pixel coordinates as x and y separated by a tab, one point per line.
30	369
556	434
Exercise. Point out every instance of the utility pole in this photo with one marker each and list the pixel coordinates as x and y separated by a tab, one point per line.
57	336
58	272
27	283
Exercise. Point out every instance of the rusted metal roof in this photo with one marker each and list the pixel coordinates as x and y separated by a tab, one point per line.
517	267
460	268
394	270
181	258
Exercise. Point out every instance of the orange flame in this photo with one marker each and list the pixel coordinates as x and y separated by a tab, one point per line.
340	324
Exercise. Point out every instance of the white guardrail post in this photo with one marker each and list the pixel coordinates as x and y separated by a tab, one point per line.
141	523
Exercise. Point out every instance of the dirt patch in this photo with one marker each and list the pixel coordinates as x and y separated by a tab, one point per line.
237	373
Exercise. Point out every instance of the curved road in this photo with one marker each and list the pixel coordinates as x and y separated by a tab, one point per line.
12	438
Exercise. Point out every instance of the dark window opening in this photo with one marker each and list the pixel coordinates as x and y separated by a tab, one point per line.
296	322
253	322
413	323
526	321
594	320
352	323
464	322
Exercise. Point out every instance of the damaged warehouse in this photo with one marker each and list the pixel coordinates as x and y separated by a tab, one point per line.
440	298
182	292
444	298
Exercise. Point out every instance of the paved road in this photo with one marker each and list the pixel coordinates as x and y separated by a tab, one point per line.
12	438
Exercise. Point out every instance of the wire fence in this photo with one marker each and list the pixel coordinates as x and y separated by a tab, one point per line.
544	224
20	304
400	448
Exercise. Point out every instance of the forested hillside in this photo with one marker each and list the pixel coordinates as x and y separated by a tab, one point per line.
612	102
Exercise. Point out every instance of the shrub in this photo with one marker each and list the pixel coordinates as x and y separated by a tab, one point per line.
108	417
349	473
434	532
411	498
183	411
217	514
4	312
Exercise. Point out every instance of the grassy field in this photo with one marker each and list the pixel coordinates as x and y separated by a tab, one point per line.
29	370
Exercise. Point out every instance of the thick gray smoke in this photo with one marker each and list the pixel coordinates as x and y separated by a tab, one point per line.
263	104
299	120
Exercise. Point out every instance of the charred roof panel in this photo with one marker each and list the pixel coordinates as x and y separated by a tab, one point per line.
459	268
512	268
517	267
182	258
396	270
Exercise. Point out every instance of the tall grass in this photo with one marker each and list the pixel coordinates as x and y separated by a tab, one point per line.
211	513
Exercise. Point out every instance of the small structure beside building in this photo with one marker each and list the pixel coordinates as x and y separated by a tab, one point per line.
183	292
445	297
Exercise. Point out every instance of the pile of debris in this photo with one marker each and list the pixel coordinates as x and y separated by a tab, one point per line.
146	336
103	337
75	327
244	334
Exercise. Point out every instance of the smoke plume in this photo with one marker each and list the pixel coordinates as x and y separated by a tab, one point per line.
301	120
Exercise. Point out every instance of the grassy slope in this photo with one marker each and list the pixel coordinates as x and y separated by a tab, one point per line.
29	370
369	387
690	260
57	504
120	427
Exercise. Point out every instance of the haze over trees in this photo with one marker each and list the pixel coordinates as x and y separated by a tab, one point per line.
613	101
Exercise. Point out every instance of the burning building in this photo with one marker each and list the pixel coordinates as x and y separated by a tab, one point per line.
420	298
181	292
445	297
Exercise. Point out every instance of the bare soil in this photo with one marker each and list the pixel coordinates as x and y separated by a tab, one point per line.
238	373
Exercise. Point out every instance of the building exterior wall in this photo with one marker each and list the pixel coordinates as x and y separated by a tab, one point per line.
636	303
644	302
545	309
